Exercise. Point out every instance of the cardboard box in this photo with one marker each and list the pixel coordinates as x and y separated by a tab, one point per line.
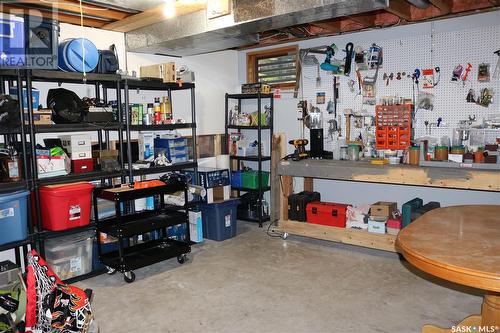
218	194
53	166
165	71
383	208
39	118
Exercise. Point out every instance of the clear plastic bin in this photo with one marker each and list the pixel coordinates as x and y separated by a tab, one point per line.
70	256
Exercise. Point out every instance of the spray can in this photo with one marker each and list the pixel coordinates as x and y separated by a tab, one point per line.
157	111
140	114
148	114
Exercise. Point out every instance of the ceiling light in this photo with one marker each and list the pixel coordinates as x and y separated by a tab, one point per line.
169	10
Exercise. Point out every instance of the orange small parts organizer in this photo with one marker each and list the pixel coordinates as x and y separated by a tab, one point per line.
393	126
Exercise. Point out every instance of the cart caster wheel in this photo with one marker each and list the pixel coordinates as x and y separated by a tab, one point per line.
285	235
129	276
181	259
110	271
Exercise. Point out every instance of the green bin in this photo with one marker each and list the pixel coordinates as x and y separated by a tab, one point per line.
250	179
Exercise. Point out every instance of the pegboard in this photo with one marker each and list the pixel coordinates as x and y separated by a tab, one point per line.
444	50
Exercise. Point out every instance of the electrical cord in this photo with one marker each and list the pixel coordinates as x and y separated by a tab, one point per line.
272	233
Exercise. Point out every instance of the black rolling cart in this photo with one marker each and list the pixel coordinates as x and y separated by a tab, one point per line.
127	224
259	158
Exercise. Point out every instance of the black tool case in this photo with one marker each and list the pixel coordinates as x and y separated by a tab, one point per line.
297	204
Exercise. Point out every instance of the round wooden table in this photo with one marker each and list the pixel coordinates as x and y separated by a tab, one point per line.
460	244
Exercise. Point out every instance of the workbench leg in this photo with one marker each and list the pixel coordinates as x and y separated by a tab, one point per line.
286	190
308	184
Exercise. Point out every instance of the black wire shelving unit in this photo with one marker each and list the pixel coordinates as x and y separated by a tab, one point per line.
259	159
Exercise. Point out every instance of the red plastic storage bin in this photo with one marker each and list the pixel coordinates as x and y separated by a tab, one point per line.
65	206
327	213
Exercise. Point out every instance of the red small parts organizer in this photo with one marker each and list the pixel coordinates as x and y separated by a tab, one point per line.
393	126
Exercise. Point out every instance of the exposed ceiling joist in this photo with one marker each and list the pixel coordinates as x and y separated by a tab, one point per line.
329	26
443	5
72	6
400	8
153	15
62	17
365	20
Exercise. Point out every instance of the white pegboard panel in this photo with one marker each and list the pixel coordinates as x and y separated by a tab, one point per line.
444	50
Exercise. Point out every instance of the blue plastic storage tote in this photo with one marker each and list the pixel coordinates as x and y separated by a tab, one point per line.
219	219
236	179
13	217
71	55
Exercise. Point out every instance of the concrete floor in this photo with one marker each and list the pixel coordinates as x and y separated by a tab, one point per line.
254	283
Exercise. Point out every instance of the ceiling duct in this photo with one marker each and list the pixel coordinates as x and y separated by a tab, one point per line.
195	34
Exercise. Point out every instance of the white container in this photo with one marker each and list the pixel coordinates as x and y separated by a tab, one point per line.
81	155
377	227
70	256
77	143
146	145
195	227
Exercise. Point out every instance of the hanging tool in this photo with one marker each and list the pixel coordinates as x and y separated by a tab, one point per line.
332	128
457	73
374	62
358	75
327	64
466	74
335	96
437	77
375	59
496	73
349	50
300	152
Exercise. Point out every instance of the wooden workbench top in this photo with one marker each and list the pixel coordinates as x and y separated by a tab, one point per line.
402	174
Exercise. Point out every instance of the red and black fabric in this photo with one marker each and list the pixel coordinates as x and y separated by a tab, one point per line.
54	306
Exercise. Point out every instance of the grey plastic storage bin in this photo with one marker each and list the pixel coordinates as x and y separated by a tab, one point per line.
13	217
219	219
70	256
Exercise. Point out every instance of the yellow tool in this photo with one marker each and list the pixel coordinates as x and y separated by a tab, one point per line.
300	152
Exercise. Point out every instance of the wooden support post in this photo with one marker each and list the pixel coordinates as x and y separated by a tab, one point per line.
400	8
286	190
308	184
278	152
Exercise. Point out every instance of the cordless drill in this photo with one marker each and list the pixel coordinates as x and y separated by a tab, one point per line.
300	150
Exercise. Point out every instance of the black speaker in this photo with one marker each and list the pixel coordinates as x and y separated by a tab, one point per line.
316	143
42	41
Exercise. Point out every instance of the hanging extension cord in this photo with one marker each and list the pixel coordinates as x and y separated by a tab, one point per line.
83	46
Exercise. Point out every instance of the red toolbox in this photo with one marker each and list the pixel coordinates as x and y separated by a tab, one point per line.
65	206
81	166
327	213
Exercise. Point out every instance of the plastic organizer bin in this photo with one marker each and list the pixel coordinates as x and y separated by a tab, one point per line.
393	126
13	217
70	256
236	179
250	179
179	159
180	150
219	219
65	206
